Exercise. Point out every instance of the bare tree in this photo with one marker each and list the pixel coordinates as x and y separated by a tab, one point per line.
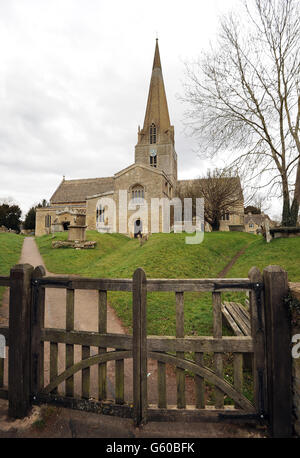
244	97
221	191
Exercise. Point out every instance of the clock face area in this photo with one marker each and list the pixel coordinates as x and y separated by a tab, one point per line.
153	152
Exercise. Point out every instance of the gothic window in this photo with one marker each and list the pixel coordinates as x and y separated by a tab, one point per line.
137	194
152	133
100	214
153	161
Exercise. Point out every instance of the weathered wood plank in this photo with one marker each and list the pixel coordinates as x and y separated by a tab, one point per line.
208	375
279	361
205	415
218	357
200	344
37	323
96	359
161	385
239	317
139	350
238	371
85	381
19	334
70	348
102	328
180	373
199	383
102	284
53	363
119	381
257	316
230	322
198	285
1	372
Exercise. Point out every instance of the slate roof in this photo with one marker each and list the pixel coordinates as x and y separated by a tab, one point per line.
79	190
257	219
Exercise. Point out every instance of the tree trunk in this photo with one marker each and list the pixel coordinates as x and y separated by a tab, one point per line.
294	213
286	209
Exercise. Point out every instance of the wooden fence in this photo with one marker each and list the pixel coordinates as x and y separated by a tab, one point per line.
269	344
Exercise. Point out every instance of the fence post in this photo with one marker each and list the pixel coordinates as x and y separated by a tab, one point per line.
37	318
140	402
278	352
19	340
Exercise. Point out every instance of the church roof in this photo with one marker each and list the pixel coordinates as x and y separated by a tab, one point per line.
78	190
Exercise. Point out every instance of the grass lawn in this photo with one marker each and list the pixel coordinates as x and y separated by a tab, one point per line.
163	256
283	252
10	251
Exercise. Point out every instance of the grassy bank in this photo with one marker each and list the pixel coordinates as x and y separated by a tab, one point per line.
163	256
10	251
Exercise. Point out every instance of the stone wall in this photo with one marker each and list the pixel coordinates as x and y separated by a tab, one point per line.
295	290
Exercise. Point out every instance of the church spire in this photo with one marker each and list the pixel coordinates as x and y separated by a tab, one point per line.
157	113
156	61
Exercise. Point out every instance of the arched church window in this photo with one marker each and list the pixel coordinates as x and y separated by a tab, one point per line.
153	160
100	214
152	133
137	194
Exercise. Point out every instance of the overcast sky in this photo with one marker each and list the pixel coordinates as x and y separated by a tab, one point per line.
74	81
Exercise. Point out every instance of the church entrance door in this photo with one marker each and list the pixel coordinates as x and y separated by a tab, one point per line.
138	228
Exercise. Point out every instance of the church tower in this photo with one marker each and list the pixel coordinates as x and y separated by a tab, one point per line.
155	145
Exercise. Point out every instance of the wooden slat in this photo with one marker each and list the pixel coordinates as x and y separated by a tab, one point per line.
218	357
258	326
199	383
238	372
239	317
1	372
101	284
161	385
202	344
119	381
37	323
4	281
198	285
53	362
180	373
139	350
102	328
125	284
206	415
70	348
230	321
209	375
85	383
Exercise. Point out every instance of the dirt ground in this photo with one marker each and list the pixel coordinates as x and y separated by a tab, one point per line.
58	422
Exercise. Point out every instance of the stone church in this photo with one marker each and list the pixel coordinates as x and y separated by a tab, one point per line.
152	175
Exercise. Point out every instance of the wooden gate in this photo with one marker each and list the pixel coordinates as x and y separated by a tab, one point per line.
27	337
187	354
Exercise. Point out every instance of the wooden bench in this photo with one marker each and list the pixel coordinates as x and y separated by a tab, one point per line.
237	318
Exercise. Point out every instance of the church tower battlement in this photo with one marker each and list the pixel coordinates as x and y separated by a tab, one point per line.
155	145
